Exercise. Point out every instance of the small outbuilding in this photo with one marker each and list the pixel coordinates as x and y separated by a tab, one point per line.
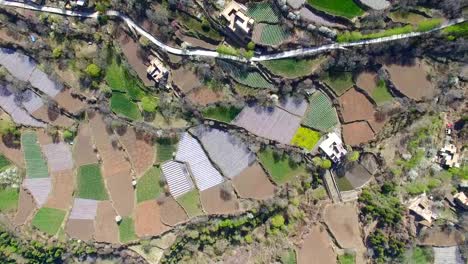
333	147
156	69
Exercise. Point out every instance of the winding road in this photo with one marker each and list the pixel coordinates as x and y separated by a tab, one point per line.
214	54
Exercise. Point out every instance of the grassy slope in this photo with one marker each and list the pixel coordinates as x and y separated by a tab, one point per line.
381	94
165	148
191	203
293	68
347	259
340	82
91	183
221	113
4	162
48	220
281	169
8	199
127	230
344	8
148	187
121	104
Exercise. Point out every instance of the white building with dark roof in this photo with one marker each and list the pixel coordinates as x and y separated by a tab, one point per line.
333	147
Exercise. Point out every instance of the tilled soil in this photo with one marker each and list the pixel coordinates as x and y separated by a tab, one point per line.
367	81
107	229
411	80
68	102
316	248
140	151
52	117
61	195
356	106
204	96
172	213
83	148
80	229
253	183
26	207
357	133
214	202
148	219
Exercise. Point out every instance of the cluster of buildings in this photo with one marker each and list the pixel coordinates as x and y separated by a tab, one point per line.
237	20
448	156
156	69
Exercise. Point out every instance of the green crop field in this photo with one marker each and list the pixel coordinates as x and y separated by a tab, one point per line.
8	199
246	75
339	82
263	12
191	203
221	113
148	186
90	183
381	95
119	79
280	168
419	255
122	104
48	220
347	259
343	184
305	138
4	163
343	8
36	166
321	114
127	230
288	257
293	68
164	149
273	35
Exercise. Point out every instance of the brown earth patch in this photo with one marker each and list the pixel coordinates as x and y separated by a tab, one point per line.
194	42
442	238
26	207
52	116
316	248
204	96
355	106
62	190
107	229
253	183
116	169
214	201
185	79
140	150
43	138
131	50
6	35
172	213
357	133
13	154
367	81
83	148
411	80
342	220
148	219
68	76
80	229
66	100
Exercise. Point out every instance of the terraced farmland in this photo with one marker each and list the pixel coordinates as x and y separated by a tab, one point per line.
339	82
36	166
321	114
273	35
343	8
121	104
165	148
250	76
263	12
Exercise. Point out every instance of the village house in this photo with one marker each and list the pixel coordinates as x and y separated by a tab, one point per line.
461	199
448	156
421	207
333	147
238	21
156	69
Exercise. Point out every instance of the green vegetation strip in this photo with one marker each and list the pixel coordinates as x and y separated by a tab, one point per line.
36	166
200	28
419	255
344	8
48	220
191	203
422	26
263	12
456	31
165	147
8	199
246	75
280	167
347	259
90	183
221	113
122	104
148	186
292	68
321	114
127	230
305	138
339	82
4	163
273	35
119	79
381	95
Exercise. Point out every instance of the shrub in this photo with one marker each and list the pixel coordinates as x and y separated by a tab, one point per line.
353	156
7	127
93	70
57	53
149	104
227	50
326	164
277	221
68	135
427	25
